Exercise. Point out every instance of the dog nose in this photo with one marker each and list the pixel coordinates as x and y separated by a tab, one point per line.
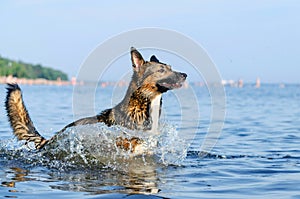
183	75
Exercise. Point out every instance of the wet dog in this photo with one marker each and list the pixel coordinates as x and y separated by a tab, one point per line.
139	110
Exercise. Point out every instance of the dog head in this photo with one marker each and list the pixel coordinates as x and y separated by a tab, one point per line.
161	76
153	73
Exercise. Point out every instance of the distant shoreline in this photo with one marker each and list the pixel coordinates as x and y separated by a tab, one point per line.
38	81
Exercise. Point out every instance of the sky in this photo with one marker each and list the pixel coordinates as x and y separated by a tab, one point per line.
245	39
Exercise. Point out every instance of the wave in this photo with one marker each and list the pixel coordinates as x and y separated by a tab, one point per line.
205	155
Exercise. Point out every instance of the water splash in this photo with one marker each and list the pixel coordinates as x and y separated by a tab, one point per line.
94	146
172	149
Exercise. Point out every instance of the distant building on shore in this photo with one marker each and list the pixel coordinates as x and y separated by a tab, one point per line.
257	84
240	83
38	81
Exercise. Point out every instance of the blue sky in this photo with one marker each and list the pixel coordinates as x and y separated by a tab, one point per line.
245	39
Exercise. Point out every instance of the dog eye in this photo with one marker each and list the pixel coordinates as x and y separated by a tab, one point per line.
161	70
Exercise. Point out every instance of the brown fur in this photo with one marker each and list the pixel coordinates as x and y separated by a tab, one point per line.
128	144
150	80
19	119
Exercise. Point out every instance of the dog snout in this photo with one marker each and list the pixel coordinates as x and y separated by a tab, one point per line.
183	75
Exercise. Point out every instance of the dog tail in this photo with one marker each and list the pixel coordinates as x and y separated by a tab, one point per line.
19	119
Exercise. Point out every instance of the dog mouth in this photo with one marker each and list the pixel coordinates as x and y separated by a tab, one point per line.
170	85
172	82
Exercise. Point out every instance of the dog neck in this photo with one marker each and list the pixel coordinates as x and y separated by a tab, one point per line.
142	110
133	85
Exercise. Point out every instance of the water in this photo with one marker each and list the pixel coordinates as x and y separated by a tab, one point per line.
257	154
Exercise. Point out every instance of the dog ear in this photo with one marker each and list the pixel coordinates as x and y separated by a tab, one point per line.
154	59
136	58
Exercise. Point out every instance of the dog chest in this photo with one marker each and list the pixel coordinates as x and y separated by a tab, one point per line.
154	113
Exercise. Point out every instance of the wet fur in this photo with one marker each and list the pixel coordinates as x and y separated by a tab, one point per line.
149	81
19	118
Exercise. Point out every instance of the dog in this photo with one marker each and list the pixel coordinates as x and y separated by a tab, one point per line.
139	110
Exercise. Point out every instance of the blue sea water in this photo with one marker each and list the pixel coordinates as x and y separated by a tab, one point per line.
256	156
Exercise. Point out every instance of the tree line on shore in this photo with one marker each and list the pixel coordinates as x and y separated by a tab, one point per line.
20	69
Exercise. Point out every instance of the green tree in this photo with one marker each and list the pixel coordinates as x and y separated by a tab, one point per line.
24	70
